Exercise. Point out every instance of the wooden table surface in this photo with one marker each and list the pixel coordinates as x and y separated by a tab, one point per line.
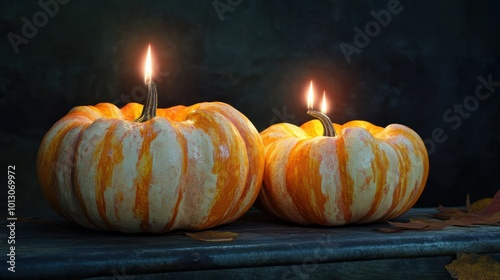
267	248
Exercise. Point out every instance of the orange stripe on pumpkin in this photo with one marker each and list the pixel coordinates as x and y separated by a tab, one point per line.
225	163
304	181
379	167
269	193
405	169
47	166
142	183
404	166
176	113
109	111
417	188
404	155
131	111
109	152
420	152
345	198
389	214
251	139
77	188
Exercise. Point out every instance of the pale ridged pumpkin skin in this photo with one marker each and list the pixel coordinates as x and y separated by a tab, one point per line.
188	168
365	173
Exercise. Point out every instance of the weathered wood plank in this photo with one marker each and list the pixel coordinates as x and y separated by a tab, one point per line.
266	248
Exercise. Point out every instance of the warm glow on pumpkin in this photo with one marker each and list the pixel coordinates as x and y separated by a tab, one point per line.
140	168
365	173
310	97
148	72
323	104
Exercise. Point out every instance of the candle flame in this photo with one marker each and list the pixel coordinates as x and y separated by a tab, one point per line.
323	104
310	97
148	72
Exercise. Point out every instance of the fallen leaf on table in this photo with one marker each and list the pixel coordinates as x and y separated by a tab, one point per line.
482	212
478	205
446	213
416	224
213	236
492	208
474	267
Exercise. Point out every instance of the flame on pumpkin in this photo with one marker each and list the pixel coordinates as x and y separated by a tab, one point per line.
310	97
323	104
148	72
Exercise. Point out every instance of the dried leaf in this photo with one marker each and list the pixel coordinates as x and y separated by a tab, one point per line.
482	212
493	207
415	225
480	205
446	213
450	210
473	266
213	236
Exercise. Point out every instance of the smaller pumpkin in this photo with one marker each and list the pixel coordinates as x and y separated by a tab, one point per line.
364	174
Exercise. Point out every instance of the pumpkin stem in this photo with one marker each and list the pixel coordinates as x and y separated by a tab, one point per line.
328	129
149	109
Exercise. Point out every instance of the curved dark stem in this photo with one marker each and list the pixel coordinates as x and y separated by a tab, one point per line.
328	129
149	110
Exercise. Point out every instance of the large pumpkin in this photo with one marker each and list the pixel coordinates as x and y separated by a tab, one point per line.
366	173
187	168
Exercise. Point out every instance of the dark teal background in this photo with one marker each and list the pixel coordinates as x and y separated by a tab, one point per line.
260	59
